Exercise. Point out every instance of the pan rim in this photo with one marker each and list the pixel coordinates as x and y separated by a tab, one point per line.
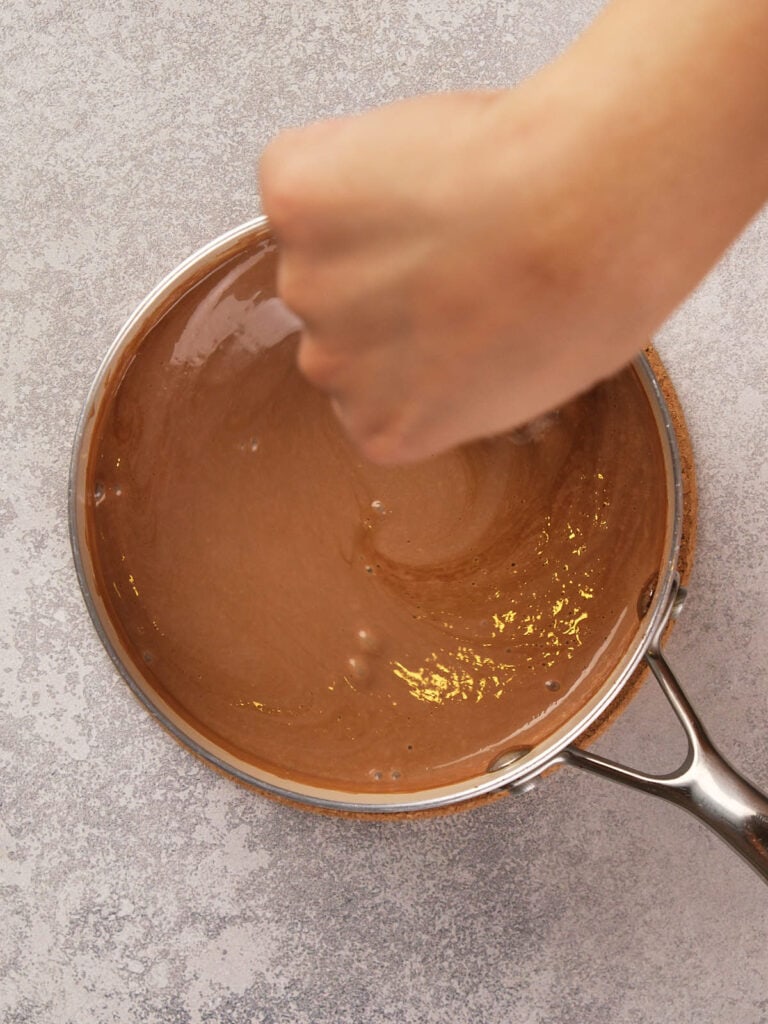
160	298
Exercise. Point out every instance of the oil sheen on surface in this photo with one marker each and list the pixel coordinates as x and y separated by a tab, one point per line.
356	627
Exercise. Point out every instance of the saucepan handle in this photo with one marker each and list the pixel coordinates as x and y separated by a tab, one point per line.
705	784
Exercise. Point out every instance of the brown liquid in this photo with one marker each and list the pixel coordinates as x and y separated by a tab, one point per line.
347	625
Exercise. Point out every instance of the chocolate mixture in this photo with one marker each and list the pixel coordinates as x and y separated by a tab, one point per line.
362	628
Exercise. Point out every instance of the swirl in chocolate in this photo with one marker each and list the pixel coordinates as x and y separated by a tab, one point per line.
342	624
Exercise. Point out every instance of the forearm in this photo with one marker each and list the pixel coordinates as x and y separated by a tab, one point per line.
669	102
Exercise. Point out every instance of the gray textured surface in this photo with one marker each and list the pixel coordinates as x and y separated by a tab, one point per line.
135	885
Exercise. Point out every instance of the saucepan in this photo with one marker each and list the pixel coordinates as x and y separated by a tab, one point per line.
705	784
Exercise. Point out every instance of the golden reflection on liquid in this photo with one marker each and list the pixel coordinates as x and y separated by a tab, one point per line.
438	682
545	634
257	705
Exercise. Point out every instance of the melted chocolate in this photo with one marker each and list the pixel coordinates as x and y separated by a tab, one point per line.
341	624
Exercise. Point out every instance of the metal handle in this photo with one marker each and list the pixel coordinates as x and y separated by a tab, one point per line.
705	784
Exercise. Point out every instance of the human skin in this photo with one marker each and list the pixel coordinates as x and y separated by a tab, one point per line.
465	262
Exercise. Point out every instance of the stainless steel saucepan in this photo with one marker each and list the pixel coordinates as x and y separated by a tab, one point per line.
705	784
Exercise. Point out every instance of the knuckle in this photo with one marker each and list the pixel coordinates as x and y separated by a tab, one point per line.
400	436
291	287
384	444
382	448
302	287
315	363
284	178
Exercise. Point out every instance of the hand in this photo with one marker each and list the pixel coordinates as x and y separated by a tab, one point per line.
440	299
464	262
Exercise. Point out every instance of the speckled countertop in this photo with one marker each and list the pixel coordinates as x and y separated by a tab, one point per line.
135	884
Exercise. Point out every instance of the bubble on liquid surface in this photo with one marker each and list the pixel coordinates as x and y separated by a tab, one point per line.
552	685
251	445
358	666
99	493
378	507
366	641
